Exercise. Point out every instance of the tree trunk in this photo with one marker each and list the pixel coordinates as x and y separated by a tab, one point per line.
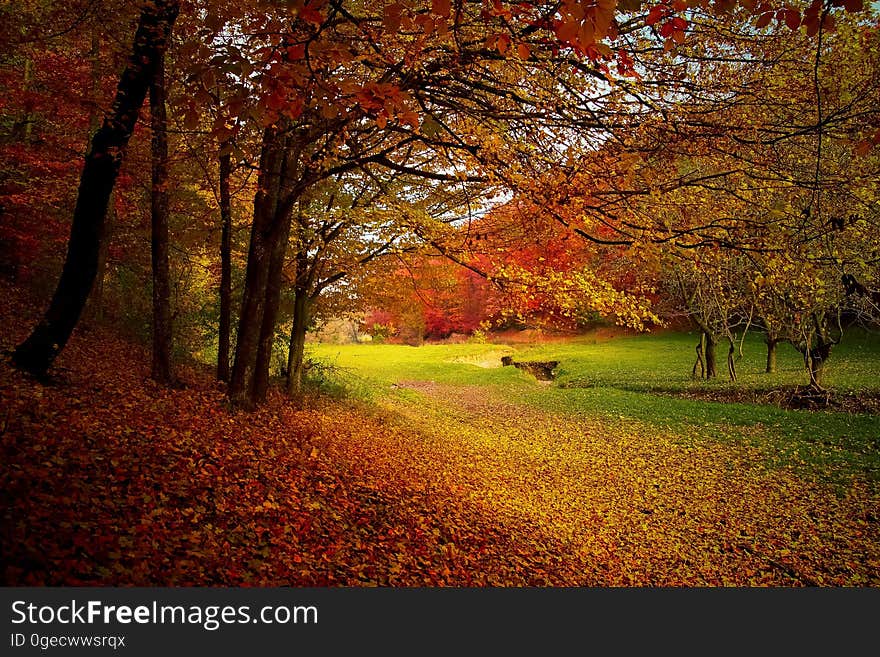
771	354
296	356
711	360
22	129
279	239
815	360
731	360
225	264
301	303
95	305
700	362
266	203
37	353
282	182
162	330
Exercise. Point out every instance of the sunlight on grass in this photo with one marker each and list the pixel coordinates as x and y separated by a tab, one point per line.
643	381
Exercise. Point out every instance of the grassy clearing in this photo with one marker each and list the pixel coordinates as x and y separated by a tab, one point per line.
653	363
664	362
483	477
629	382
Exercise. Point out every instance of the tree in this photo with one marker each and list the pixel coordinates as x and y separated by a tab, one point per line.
162	332
495	96
339	230
100	169
225	323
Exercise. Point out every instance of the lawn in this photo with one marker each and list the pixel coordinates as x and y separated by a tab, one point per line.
644	383
622	467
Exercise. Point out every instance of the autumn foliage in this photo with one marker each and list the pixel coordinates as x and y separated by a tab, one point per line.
219	179
112	480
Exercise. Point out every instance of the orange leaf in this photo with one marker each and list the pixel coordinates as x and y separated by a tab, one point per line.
602	49
566	30
863	147
503	43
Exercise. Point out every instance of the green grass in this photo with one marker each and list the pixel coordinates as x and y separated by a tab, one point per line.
664	363
643	363
366	369
646	379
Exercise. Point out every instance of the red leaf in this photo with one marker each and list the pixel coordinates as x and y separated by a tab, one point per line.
828	23
392	17
655	14
275	100
441	8
311	15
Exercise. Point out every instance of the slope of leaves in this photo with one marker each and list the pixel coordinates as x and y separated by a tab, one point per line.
109	480
633	507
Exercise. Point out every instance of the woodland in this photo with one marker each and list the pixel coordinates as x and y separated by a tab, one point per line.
263	263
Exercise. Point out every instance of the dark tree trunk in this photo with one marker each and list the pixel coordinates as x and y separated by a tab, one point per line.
815	359
301	303
225	264
701	361
279	238
282	182
162	329
296	356
37	353
731	360
260	250
711	360
95	305
772	343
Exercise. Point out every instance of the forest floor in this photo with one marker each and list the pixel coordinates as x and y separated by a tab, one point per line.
109	479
